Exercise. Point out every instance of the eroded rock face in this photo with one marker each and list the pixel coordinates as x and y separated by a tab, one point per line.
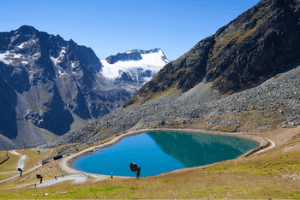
49	84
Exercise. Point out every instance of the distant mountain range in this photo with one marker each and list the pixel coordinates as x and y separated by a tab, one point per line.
49	86
132	69
243	78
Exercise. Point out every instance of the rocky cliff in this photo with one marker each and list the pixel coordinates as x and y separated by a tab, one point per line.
48	87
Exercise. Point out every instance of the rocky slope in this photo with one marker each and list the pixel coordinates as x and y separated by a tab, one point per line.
243	54
245	77
48	87
132	69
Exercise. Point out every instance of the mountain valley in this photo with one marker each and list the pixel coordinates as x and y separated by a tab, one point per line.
242	82
242	78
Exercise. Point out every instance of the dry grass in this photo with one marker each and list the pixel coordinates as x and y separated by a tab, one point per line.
2	153
152	96
245	35
3	158
10	164
102	131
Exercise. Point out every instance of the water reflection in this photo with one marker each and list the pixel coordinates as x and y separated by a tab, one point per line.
201	149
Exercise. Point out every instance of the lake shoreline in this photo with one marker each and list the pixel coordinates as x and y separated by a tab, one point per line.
66	163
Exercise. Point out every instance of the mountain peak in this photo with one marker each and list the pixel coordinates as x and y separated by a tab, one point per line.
26	27
132	55
135	66
153	59
26	30
143	51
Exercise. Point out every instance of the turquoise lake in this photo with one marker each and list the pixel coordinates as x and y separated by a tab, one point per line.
160	152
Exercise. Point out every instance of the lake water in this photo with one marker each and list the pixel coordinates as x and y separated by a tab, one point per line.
159	152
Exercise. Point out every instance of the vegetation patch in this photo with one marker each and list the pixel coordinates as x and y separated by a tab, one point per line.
101	130
152	96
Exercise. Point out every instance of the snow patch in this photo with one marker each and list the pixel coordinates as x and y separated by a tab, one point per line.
36	56
4	59
129	51
21	45
62	73
74	64
25	62
31	77
14	37
59	59
7	57
152	61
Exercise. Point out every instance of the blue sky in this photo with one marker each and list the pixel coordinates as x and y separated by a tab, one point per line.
112	26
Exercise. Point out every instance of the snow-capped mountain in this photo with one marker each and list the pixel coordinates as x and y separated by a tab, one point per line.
49	86
132	69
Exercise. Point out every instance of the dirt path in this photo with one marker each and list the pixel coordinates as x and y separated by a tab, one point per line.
77	178
270	147
12	177
14	152
21	162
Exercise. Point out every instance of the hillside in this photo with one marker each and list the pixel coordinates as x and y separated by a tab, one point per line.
244	77
254	47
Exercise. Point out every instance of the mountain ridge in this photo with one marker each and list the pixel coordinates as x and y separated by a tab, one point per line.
50	86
